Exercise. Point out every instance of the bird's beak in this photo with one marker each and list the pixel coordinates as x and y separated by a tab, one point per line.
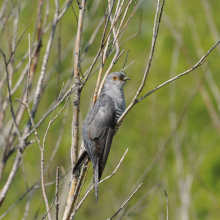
126	78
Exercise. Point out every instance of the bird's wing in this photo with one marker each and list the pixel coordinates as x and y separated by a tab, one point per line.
100	127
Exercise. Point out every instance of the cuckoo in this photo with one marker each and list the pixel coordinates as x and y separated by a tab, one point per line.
100	125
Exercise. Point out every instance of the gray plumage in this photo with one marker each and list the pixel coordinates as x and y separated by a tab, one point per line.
99	126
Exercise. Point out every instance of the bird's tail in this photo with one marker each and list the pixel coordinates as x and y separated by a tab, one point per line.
96	180
80	161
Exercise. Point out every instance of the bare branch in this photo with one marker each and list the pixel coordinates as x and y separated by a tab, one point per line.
89	190
54	199
126	202
64	10
76	103
57	188
199	63
45	61
38	139
125	62
117	55
99	51
79	184
33	187
167	199
27	207
157	20
10	101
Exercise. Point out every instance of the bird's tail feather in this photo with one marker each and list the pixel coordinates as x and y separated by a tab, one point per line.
80	161
96	180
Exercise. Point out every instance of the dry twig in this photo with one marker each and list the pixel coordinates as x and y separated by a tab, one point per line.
157	20
89	190
125	203
167	199
75	121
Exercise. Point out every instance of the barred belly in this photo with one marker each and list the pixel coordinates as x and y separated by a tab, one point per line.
119	112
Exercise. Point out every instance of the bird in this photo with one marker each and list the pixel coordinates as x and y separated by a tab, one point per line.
100	125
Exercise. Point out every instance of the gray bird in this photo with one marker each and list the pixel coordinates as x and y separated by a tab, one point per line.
99	126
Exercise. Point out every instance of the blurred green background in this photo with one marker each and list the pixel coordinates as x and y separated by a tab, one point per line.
172	135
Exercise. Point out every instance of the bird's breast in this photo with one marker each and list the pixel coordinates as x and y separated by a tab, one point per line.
119	112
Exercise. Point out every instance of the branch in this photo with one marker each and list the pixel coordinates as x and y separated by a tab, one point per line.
75	121
45	61
117	55
37	137
126	202
54	199
89	190
154	38
100	49
199	63
167	204
57	188
22	143
10	101
33	187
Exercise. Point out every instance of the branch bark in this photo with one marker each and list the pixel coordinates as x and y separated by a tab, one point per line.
75	122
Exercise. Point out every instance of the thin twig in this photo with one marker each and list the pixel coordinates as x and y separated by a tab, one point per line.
169	138
126	202
103	58
199	63
89	190
87	165
54	199
154	38
57	142
64	10
138	33
38	139
45	61
10	101
100	49
23	171
117	55
74	13
34	186
57	188
27	207
22	143
79	184
20	40
125	62
92	38
167	199
52	120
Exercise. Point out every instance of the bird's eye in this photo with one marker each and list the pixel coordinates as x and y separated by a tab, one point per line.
114	77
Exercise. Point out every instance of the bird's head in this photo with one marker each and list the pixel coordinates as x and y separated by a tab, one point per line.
117	79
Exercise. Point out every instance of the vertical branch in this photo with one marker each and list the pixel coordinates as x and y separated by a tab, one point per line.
167	204
104	54
75	123
45	61
115	41
157	20
10	101
37	137
13	43
57	188
59	61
